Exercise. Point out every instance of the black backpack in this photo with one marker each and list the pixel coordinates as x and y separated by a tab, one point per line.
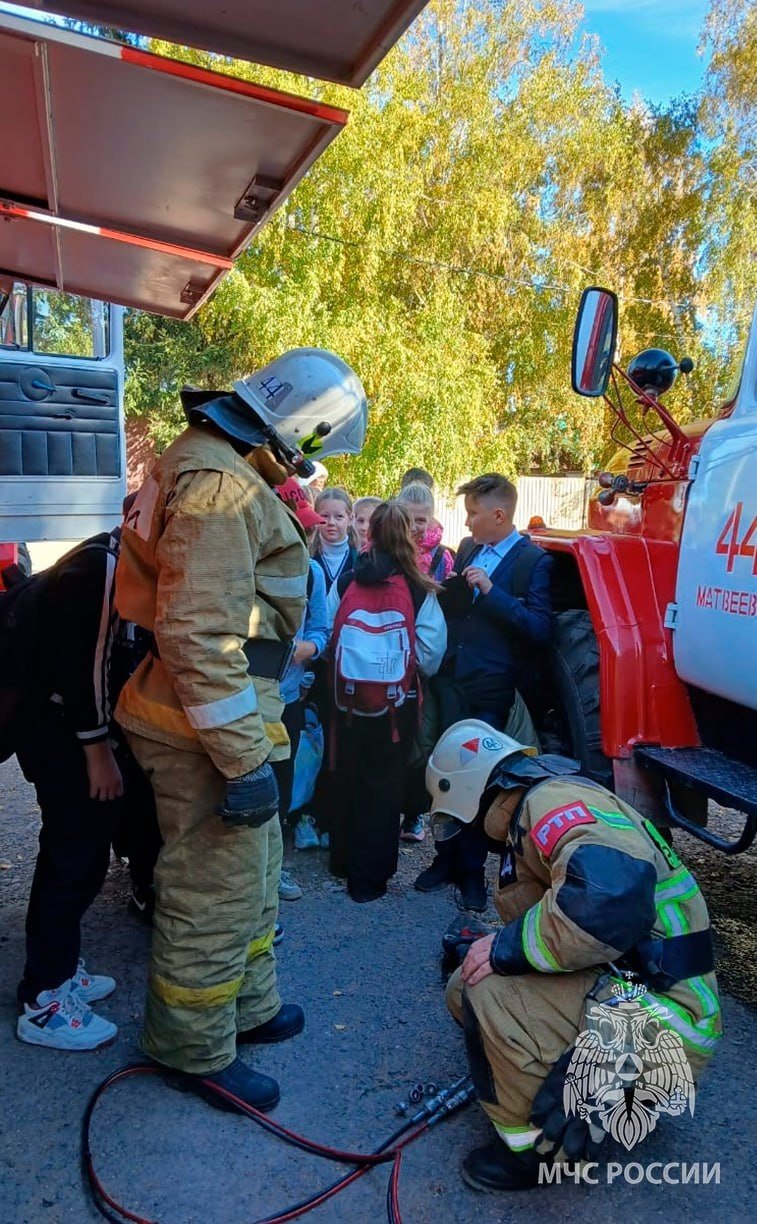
22	676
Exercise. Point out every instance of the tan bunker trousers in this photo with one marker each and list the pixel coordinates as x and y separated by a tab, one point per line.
516	1029
213	968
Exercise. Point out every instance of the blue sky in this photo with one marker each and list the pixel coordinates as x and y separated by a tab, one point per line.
650	45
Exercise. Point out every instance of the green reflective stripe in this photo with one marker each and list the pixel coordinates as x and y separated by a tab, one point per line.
669	895
708	999
534	947
682	878
666	850
616	820
672	916
517	1138
702	1035
670	919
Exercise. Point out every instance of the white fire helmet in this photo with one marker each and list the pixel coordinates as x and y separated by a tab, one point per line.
459	769
313	400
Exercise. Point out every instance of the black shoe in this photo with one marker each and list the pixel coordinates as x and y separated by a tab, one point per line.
473	893
494	1168
251	1087
288	1022
437	876
366	894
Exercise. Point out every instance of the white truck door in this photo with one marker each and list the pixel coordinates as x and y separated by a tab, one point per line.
715	635
62	453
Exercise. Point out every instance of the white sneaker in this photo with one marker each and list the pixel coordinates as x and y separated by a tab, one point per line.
306	834
413	829
62	1020
91	987
289	889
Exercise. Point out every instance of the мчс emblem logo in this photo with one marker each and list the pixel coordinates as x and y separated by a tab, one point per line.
627	1069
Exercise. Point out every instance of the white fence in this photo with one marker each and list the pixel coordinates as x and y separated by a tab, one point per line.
560	500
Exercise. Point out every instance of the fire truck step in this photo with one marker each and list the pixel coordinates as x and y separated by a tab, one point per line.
730	783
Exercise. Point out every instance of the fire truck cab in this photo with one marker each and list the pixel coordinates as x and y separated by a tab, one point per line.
652	681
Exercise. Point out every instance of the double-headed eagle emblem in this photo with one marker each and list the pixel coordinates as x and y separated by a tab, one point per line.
627	1069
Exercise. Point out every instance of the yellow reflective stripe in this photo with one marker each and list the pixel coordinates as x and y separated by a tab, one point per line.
226	710
277	733
517	1138
199	997
257	947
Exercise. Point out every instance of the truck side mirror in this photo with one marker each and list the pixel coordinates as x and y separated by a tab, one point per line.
594	342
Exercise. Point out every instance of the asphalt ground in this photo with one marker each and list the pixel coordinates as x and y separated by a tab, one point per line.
368	977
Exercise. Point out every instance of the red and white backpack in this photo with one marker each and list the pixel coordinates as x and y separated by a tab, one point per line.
373	648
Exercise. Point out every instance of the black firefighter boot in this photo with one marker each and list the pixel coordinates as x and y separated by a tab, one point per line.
288	1022
250	1087
437	875
495	1168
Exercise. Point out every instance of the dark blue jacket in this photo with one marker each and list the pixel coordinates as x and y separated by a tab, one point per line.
488	637
347	566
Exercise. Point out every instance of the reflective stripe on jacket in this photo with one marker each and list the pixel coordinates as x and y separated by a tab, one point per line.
585	880
210	557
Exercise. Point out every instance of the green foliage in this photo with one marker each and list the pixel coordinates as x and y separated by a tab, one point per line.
487	173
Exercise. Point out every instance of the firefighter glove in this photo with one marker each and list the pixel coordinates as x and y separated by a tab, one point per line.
573	1136
251	800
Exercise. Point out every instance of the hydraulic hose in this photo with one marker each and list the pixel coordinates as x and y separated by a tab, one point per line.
445	1102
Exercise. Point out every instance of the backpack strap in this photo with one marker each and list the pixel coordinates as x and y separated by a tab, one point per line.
87	545
436	566
310	582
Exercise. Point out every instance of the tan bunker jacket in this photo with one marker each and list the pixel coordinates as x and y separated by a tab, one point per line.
585	880
211	562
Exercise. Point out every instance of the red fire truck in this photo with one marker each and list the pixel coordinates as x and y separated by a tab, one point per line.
652	681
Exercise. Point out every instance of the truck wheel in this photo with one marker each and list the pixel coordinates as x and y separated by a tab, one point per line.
571	721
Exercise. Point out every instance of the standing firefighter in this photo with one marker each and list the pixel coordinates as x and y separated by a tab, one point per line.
214	565
602	921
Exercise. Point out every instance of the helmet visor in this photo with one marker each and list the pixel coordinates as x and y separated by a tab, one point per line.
444	827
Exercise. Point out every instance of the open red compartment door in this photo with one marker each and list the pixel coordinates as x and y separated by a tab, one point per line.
137	179
336	40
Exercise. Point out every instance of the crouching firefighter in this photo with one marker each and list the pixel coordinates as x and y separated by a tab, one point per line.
605	953
214	565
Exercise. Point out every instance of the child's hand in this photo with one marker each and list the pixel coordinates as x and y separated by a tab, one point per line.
303	651
105	781
477	578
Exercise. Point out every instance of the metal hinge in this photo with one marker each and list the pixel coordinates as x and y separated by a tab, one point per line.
693	467
671	616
